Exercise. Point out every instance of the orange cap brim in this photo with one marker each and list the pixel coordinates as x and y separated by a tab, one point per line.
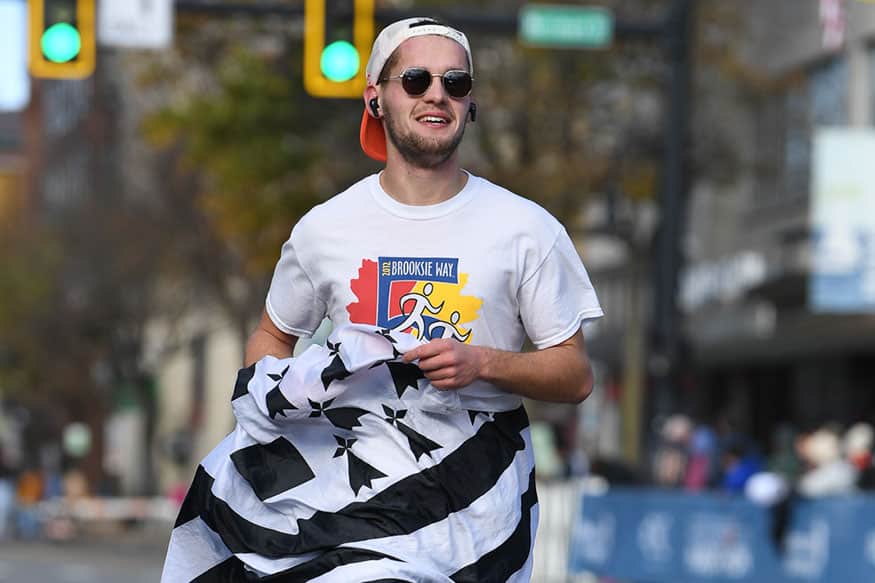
372	137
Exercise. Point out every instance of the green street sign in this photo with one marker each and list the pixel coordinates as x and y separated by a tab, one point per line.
561	26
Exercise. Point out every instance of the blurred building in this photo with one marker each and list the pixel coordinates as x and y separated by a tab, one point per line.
62	153
71	160
195	359
762	350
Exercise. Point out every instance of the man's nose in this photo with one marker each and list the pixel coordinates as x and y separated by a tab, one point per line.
436	91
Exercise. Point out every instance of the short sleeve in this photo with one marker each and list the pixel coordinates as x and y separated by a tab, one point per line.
292	302
558	297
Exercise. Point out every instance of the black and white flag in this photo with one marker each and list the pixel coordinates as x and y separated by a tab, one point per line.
347	466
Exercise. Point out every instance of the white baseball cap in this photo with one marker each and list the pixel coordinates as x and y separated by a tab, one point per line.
372	136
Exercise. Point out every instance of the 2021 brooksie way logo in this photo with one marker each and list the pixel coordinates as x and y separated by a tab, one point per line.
420	295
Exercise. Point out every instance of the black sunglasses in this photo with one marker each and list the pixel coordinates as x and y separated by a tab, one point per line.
417	80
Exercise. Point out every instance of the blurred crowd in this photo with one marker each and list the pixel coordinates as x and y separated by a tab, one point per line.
685	454
29	492
822	461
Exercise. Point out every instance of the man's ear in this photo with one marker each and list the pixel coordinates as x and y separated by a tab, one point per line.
372	101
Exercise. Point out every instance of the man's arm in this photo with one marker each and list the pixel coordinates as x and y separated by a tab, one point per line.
560	373
268	339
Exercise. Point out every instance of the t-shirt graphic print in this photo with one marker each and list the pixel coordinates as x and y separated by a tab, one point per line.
422	296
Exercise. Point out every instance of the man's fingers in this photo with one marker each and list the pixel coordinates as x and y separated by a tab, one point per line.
432	348
435	363
414	354
440	373
441	361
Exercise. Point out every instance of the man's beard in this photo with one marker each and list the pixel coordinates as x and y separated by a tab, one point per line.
418	151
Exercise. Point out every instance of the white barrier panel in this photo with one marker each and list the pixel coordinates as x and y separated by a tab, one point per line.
559	502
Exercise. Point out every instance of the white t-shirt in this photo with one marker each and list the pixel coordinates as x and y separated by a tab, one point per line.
487	267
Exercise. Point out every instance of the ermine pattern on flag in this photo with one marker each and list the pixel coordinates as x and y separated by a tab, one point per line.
346	465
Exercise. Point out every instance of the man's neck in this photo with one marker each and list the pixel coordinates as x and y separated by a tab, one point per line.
421	186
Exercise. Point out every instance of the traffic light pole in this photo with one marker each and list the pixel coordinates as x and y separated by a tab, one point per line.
666	350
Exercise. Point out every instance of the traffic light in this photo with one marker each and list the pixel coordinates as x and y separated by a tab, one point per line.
336	49
62	43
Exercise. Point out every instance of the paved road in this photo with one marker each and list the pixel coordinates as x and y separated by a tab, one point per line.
129	557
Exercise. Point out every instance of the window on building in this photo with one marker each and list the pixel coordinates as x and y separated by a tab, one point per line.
769	140
64	104
829	93
65	180
825	103
11	131
786	123
198	381
797	143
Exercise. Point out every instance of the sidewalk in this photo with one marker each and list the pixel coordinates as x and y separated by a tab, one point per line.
132	556
147	541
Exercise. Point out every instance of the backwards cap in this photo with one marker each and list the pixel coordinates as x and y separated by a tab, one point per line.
372	136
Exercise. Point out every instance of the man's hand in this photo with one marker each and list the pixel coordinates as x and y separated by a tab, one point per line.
448	364
559	373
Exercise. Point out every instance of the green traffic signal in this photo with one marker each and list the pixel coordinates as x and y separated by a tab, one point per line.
339	61
61	43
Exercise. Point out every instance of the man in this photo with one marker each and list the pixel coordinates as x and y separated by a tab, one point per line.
516	259
346	464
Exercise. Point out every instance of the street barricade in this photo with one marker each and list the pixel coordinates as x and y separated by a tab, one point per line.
655	536
60	519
